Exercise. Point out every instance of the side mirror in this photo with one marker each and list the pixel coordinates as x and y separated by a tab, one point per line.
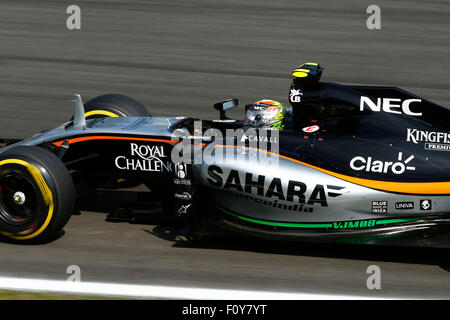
226	105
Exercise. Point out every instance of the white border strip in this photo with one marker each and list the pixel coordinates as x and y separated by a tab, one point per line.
162	292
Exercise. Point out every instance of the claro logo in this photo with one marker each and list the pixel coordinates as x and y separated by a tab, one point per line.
370	165
390	105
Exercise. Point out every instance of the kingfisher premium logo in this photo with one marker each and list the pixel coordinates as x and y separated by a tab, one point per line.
436	141
144	158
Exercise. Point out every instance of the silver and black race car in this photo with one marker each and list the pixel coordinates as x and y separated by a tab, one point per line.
353	164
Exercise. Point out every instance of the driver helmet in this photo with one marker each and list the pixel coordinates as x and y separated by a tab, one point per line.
266	114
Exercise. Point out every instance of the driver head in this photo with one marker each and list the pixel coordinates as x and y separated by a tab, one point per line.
266	114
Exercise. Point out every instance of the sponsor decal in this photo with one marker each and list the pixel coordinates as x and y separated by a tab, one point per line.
311	129
437	147
144	158
295	95
368	164
270	191
184	182
183	196
404	205
183	209
260	107
425	204
181	170
379	206
390	105
433	140
354	224
181	174
273	138
275	203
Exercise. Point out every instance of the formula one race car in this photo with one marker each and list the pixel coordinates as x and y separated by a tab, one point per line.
358	164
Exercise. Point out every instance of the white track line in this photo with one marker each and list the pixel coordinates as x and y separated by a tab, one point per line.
164	292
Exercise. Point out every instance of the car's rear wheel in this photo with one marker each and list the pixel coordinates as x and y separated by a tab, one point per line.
114	105
36	194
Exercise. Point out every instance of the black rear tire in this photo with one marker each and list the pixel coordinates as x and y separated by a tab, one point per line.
37	195
114	105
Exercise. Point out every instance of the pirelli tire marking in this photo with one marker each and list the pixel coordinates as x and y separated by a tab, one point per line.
100	113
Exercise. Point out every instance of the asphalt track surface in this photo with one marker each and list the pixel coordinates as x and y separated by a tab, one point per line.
178	58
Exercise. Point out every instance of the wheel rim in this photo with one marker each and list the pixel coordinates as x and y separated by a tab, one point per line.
20	198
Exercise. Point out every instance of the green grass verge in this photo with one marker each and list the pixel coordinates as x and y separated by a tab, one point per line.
23	295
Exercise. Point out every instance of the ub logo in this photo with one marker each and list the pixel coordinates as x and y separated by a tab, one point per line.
295	95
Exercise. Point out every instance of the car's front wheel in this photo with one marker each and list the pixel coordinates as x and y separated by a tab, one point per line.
36	194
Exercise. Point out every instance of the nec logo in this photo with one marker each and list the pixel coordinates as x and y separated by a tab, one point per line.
390	105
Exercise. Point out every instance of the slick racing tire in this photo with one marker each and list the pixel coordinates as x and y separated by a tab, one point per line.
114	105
36	195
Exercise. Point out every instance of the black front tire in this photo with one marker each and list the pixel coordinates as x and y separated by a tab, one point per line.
37	195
